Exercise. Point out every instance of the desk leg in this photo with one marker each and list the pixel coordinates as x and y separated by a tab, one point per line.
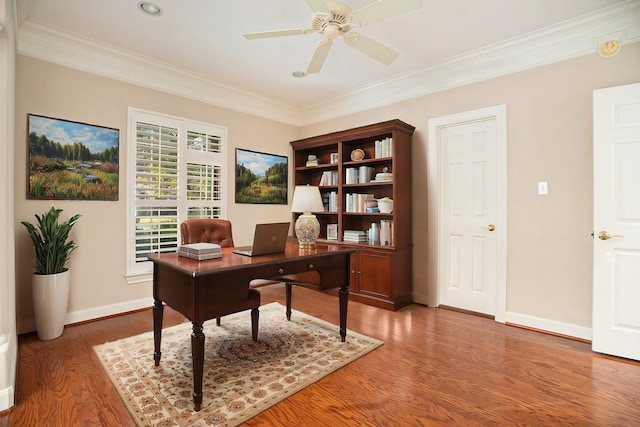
158	313
197	358
288	287
343	297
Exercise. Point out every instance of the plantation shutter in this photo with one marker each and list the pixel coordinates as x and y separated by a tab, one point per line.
156	213
178	168
204	159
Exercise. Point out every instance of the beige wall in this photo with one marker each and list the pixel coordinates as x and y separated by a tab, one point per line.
549	138
99	265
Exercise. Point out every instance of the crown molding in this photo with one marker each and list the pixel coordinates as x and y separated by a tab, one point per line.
570	39
45	43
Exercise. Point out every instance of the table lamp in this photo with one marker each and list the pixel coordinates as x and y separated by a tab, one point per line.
307	199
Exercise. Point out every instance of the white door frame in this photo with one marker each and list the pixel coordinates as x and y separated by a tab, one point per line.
498	113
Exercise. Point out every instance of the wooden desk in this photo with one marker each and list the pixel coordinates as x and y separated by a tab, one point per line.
203	290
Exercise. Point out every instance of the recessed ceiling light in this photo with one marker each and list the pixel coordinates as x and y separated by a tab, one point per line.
298	74
150	8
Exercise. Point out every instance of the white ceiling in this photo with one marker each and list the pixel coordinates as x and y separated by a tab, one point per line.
197	49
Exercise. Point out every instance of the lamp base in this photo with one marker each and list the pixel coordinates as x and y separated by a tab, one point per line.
307	230
306	245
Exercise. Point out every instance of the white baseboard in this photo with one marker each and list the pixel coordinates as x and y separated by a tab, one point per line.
92	313
6	399
7	364
552	326
107	310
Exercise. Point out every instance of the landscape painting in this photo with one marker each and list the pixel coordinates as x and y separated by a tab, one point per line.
261	177
72	160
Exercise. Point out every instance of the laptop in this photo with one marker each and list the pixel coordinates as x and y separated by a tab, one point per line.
267	239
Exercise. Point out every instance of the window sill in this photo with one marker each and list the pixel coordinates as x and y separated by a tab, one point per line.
138	278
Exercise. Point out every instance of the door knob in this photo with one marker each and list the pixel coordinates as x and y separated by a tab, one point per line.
604	235
489	227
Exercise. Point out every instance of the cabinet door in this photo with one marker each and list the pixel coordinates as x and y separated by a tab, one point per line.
375	273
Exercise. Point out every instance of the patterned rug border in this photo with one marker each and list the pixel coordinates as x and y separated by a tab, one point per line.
137	377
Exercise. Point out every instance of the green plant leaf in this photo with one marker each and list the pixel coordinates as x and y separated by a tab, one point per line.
51	242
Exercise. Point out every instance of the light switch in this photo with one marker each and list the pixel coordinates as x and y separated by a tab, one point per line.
543	188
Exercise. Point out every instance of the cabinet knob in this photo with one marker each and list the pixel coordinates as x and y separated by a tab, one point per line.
310	267
280	270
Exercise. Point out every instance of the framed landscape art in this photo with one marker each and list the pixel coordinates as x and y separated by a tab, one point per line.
71	160
261	177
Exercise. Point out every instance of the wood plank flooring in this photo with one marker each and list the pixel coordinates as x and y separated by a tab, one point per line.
436	367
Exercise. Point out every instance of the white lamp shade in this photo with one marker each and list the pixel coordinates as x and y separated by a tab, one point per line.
306	198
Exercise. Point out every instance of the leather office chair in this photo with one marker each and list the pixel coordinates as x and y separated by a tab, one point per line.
207	230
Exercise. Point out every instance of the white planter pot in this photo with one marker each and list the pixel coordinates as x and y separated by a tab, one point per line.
50	297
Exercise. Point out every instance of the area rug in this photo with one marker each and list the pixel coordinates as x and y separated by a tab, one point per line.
241	377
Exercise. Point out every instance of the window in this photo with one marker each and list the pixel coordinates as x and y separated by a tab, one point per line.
176	171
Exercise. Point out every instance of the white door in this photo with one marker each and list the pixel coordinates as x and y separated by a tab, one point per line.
616	244
472	226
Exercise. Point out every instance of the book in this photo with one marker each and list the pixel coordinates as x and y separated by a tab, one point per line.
354	202
332	201
200	248
199	257
383	176
364	174
329	178
356	236
355	240
351	175
383	148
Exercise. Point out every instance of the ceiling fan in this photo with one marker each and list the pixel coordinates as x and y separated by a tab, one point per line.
333	19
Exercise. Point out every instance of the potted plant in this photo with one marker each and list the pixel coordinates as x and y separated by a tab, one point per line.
50	283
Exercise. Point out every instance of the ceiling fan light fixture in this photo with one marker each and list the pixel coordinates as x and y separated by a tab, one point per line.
332	31
150	8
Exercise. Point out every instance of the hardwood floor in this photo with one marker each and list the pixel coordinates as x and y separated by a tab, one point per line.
436	367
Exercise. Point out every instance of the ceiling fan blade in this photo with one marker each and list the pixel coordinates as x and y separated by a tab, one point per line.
372	48
319	56
383	9
317	6
278	33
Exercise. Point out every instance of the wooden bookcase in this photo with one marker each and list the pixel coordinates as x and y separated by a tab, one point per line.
381	273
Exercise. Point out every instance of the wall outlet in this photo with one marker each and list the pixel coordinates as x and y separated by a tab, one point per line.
543	188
